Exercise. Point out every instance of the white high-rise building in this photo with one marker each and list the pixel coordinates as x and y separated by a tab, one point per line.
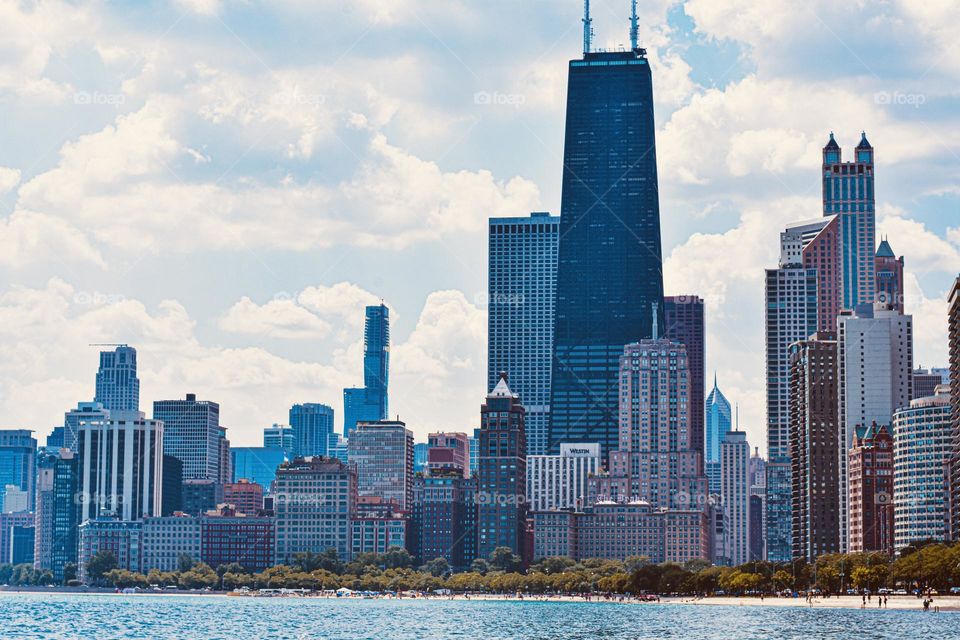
922	446
560	482
121	466
735	492
875	371
118	387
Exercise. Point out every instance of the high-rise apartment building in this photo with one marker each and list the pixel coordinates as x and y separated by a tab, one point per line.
718	423
314	500
18	463
889	270
191	434
118	387
875	367
444	518
502	474
814	446
57	513
311	424
953	329
609	266
521	294
922	445
815	244
735	491
848	193
683	318
383	454
448	451
870	497
120	462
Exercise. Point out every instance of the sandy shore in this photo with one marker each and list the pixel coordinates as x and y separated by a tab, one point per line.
945	603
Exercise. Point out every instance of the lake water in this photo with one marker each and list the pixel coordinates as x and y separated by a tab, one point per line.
174	618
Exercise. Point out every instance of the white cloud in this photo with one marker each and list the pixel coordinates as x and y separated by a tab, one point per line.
9	178
29	238
201	7
923	250
277	318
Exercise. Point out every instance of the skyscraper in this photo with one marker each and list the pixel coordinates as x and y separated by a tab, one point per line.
791	315
191	434
814	446
684	322
870	527
889	270
926	381
875	368
312	424
118	387
448	451
521	293
57	513
953	327
120	462
719	420
369	402
735	490
18	463
815	244
848	193
502	508
922	444
383	454
72	419
609	271
280	436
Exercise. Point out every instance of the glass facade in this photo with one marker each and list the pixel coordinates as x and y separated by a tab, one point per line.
312	425
609	273
257	464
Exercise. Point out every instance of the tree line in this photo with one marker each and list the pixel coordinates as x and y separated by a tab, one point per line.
930	565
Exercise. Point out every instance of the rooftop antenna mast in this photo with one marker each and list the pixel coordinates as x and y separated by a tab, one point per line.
656	328
634	29
587	27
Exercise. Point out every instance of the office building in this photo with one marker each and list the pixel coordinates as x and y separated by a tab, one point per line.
165	539
22	542
502	508
444	518
257	464
117	385
683	318
521	294
378	533
871	490
227	536
383	455
172	486
922	445
58	512
245	496
18	462
9	523
191	434
280	436
924	382
119	537
815	245
311	424
448	451
121	466
421	454
848	193
889	273
953	331
755	535
560	481
200	496
85	412
225	471
735	491
314	499
718	423
875	368
609	264
814	443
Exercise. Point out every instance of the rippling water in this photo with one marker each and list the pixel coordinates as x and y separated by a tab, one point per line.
176	618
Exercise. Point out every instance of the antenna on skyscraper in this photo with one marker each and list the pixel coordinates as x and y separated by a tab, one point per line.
656	332
634	29
738	417
587	27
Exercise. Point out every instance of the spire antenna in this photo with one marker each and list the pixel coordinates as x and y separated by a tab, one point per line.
634	29
656	327
587	27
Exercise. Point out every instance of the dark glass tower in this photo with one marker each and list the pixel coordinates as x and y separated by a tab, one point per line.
609	274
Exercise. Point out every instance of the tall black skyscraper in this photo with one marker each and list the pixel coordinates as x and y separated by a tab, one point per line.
609	274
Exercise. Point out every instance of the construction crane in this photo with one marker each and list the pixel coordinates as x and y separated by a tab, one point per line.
108	344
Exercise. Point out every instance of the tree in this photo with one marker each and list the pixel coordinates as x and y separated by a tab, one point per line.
69	572
184	562
397	558
782	580
438	567
555	564
481	566
99	564
309	561
504	559
199	576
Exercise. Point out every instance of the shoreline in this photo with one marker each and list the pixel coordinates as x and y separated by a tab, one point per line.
946	604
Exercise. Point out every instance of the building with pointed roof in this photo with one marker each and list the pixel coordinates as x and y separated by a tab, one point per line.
717	424
889	270
871	523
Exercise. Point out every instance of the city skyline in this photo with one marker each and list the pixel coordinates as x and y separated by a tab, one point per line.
275	321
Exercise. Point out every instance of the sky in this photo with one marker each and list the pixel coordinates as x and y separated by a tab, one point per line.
224	184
